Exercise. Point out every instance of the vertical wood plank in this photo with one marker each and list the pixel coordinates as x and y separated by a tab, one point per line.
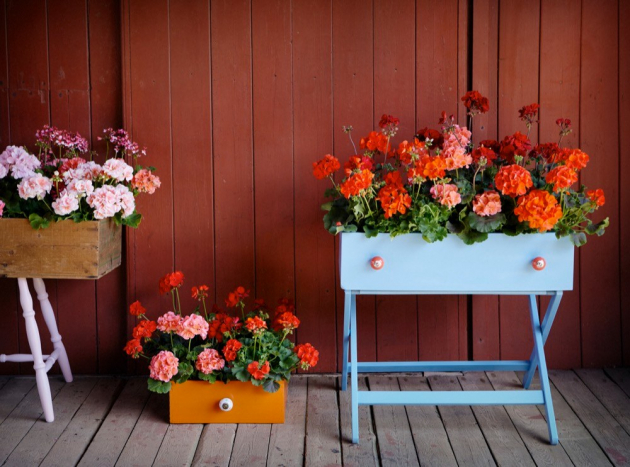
273	149
599	274
436	90
322	423
485	71
518	86
232	146
189	26
364	453
394	94
353	71
624	171
286	443
315	265
215	445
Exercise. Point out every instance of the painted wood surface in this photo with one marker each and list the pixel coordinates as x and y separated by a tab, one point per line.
250	93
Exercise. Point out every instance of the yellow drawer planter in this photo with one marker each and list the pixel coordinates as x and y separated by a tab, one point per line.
234	402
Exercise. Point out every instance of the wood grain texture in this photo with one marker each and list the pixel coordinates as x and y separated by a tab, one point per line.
624	172
322	423
215	446
364	453
621	376
286	442
609	394
179	445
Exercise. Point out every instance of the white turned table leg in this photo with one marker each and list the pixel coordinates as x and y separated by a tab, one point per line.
32	333
49	317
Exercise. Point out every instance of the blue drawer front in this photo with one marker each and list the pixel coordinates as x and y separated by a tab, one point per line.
500	264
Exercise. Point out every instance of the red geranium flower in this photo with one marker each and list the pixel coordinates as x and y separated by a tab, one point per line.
435	136
486	153
170	281
308	355
285	321
325	167
200	292
561	177
136	308
231	348
144	329
516	144
234	298
475	103
258	372
133	348
529	113
221	324
596	196
255	324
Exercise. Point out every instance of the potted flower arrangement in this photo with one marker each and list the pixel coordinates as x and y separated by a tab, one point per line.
80	204
250	353
443	187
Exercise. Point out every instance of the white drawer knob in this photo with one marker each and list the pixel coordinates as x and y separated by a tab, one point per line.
539	263
226	404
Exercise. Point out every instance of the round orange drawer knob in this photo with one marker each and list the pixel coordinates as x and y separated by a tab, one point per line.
377	263
539	263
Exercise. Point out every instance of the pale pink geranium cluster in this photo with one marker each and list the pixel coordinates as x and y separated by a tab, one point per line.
487	204
1	207
108	200
169	322
118	169
163	366
193	325
65	203
145	182
455	143
446	194
20	163
34	186
208	361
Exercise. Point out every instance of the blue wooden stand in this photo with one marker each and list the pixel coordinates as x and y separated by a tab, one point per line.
525	397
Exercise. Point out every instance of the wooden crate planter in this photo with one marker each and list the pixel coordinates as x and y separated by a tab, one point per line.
65	250
199	402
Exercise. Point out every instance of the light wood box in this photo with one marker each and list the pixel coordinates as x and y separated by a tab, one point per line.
64	250
198	402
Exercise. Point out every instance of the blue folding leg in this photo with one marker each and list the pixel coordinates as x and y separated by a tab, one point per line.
546	327
349	299
354	371
539	352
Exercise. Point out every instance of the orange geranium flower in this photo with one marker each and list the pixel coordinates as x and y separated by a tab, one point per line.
307	354
487	204
513	180
375	141
356	183
255	324
237	296
258	372
357	163
540	209
137	309
410	152
200	292
285	321
144	329
393	196
231	348
431	167
325	167
133	348
596	196
575	159
561	177
170	281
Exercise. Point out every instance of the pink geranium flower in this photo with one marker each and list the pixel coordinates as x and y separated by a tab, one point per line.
168	322
1	207
208	361
193	325
34	186
164	366
118	169
446	194
487	204
145	182
65	203
21	163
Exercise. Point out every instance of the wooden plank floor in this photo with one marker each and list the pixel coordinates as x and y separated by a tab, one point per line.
107	421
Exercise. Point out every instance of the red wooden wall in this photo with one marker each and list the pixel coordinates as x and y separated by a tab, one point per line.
236	98
60	65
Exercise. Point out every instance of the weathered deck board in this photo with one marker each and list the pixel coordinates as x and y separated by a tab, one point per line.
574	437
322	422
621	376
77	436
115	421
609	394
426	427
363	454
42	436
286	445
608	433
530	424
23	417
112	436
505	443
392	427
468	443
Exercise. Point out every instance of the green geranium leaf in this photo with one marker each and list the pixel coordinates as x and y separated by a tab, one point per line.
38	222
271	386
578	238
159	386
470	237
211	378
486	223
132	220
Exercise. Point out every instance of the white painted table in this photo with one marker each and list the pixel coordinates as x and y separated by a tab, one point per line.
41	363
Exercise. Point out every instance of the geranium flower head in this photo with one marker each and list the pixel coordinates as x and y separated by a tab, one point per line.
1	207
200	292
231	349
484	154
374	141
325	167
517	144
540	209
255	324
208	361
307	354
163	366
144	329
487	204
145	182
193	325
259	304
171	281
561	177
529	114
475	103
133	348
357	183
234	298
286	321
389	124
431	167
258	372
574	158
222	324
169	322
596	196
358	163
432	138
393	196
513	180
136	308
446	194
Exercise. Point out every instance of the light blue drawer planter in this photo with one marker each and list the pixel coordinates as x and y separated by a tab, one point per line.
501	265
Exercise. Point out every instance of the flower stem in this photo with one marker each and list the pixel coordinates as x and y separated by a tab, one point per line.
179	304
